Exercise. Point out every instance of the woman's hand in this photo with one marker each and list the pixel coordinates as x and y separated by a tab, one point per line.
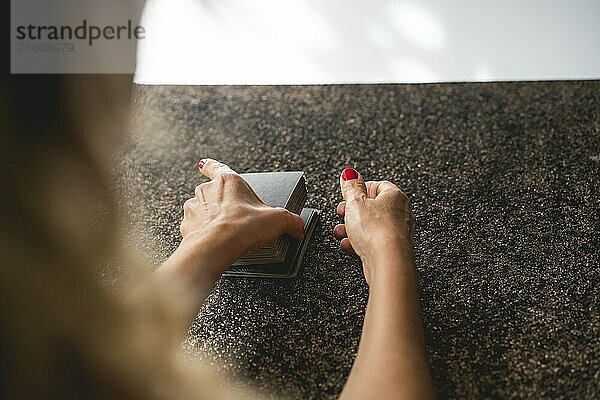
224	220
227	211
228	205
378	223
392	357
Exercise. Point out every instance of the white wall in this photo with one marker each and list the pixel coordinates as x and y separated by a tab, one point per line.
340	41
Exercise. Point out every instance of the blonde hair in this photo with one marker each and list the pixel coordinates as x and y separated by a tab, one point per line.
64	335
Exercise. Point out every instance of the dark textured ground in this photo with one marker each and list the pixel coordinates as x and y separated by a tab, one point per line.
504	182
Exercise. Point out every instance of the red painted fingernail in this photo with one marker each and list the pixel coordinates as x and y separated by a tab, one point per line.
349	173
201	164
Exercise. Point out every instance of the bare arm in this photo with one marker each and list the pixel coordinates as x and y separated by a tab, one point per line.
217	228
392	359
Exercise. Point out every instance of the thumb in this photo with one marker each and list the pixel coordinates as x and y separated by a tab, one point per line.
352	184
291	223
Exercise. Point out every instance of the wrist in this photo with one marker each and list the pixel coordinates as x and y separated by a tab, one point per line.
384	248
190	273
391	260
213	249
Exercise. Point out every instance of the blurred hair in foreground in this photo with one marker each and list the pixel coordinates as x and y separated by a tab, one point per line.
64	335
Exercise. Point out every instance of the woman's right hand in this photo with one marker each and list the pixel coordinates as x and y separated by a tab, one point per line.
378	223
392	356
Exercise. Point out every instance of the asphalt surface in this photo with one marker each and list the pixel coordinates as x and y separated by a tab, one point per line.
503	178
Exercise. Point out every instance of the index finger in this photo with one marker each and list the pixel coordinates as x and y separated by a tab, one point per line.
213	168
374	188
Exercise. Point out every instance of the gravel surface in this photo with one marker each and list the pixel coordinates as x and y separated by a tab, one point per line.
503	178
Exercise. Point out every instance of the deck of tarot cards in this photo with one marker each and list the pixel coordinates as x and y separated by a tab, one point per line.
281	259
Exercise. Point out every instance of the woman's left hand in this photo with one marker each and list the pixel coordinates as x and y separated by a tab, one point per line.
227	210
223	221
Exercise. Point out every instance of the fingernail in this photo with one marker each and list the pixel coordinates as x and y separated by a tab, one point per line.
201	164
349	173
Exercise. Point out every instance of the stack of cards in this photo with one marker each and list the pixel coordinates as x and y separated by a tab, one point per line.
282	259
277	189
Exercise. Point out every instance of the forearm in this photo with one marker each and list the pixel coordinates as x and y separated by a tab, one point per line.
392	359
189	275
186	289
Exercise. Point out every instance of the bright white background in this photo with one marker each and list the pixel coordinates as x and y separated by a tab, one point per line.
345	41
